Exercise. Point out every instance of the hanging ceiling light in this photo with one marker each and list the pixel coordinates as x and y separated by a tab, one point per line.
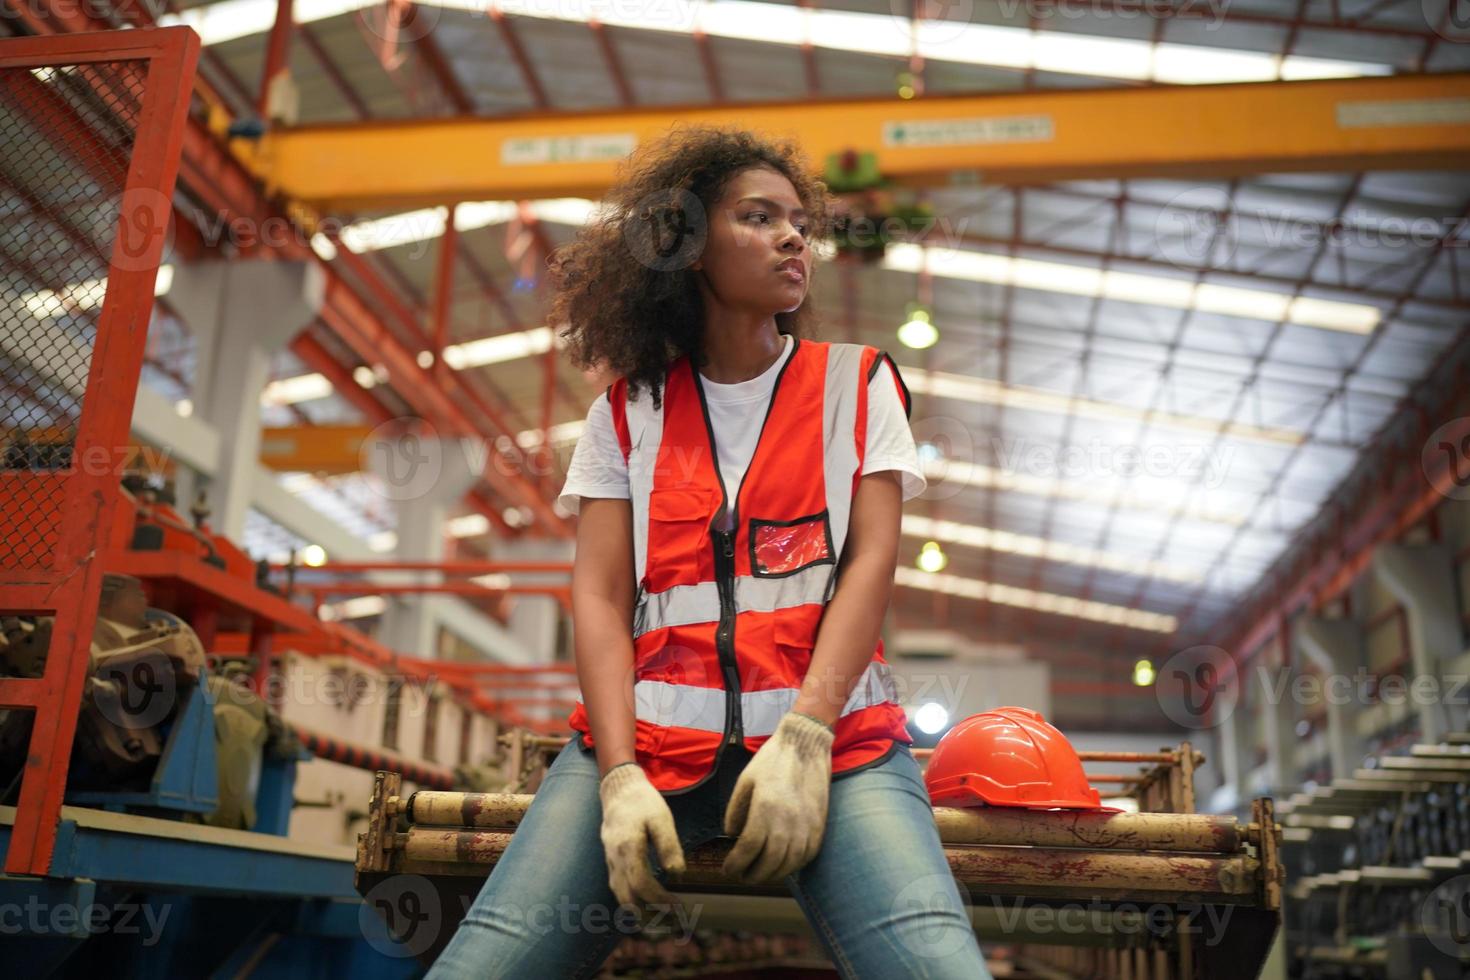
918	331
1143	673
931	718
931	557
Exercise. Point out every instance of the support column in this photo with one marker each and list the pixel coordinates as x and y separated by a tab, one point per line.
241	313
534	618
1232	748
1422	578
1336	646
411	622
1278	726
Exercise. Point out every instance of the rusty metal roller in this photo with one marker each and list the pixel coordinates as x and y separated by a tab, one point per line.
1033	872
1199	833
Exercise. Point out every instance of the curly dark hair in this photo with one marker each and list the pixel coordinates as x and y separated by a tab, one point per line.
630	307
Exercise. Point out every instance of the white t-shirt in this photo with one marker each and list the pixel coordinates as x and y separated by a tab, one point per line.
736	412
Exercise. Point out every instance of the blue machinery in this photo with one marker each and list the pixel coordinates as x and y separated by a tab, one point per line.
148	896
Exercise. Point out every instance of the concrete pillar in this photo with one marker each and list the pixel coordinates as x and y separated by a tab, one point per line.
1279	728
241	312
1422	578
187	484
534	618
423	500
1232	748
1336	646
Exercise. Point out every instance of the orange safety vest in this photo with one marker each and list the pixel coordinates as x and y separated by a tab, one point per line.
725	621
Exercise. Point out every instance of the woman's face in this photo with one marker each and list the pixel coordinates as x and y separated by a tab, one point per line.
756	257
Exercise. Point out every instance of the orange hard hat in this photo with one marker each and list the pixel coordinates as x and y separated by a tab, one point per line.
1008	757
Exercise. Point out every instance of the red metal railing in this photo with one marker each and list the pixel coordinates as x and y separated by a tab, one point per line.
74	325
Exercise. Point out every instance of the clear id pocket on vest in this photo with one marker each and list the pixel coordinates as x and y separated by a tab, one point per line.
784	547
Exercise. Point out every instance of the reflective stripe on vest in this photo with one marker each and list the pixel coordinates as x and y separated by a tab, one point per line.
686	605
703	708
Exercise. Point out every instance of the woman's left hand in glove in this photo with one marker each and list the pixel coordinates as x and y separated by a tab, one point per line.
779	806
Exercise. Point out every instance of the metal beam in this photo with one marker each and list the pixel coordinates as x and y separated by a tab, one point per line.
1403	122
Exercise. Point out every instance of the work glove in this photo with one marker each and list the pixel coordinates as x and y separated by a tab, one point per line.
779	807
633	813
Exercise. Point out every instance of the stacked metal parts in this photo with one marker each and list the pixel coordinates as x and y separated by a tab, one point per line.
1379	866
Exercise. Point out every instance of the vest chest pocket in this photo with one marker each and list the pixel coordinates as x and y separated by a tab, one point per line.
679	547
781	548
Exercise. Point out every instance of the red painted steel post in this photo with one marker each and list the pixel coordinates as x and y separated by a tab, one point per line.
277	50
261	634
444	293
66	581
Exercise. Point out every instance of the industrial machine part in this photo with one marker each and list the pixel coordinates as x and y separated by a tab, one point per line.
1027	864
155	730
240	735
158	526
1380	868
119	738
24	641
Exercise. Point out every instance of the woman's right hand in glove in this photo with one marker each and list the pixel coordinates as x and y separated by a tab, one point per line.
633	814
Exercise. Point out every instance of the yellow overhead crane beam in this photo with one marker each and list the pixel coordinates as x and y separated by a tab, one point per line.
1401	122
323	449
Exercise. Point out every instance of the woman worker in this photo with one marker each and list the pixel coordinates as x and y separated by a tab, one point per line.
740	489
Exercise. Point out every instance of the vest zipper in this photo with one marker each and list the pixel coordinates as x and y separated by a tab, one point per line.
724	546
725	635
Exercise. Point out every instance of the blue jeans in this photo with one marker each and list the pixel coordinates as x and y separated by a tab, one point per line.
879	894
